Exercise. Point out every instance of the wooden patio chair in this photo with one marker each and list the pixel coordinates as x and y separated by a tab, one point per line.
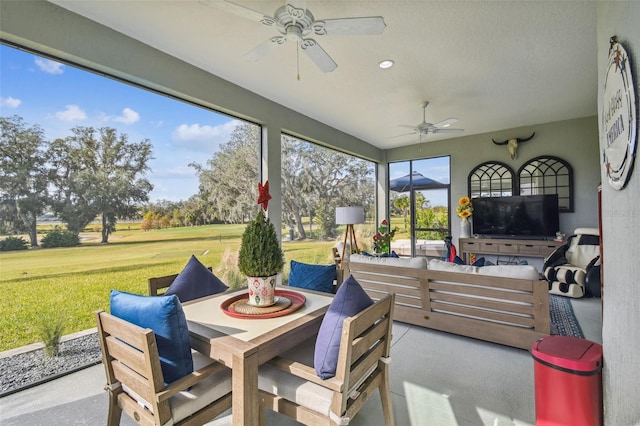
136	385
292	387
158	285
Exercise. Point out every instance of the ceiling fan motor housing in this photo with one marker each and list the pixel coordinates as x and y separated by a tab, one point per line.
292	22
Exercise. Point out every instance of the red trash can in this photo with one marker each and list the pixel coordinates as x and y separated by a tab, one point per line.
568	381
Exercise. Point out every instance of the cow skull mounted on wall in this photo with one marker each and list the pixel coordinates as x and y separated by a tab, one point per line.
512	145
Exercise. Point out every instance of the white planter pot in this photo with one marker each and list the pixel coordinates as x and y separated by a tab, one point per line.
262	290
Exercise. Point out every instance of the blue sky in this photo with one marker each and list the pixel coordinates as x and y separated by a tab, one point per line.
59	97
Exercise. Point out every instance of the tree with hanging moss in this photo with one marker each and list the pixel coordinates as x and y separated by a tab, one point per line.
24	176
99	173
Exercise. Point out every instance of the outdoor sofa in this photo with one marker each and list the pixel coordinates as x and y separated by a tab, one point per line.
505	304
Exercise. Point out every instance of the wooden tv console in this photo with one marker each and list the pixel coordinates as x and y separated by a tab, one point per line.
507	247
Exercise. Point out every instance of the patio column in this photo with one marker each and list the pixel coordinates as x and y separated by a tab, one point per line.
270	169
382	200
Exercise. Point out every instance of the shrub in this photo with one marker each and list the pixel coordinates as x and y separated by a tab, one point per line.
50	331
260	254
13	243
60	239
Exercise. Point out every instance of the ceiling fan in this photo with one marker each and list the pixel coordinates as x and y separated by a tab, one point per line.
295	24
425	128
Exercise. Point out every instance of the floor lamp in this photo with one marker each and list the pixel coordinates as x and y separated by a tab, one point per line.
349	216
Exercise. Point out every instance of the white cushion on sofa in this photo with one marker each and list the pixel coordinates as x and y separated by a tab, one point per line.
407	262
441	265
524	272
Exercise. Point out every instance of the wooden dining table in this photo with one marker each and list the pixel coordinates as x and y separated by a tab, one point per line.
243	344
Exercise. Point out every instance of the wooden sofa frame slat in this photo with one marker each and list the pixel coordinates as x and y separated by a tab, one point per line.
519	296
482	315
498	305
483	280
508	311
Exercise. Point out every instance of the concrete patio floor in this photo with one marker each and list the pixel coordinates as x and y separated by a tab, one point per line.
436	379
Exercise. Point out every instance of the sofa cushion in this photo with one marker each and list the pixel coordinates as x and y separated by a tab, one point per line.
195	281
163	315
407	262
525	272
312	277
349	300
442	265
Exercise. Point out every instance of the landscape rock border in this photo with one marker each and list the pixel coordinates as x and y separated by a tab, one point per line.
29	366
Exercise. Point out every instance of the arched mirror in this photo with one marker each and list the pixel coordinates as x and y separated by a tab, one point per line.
491	179
548	175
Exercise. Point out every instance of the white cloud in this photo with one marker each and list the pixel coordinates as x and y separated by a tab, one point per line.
128	116
203	138
48	66
71	113
10	102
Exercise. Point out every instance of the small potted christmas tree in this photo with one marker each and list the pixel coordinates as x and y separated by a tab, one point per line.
260	257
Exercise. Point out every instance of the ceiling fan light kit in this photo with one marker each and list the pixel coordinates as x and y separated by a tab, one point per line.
295	24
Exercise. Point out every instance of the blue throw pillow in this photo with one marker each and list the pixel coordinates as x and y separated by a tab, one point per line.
458	260
165	317
479	262
349	300
312	277
195	281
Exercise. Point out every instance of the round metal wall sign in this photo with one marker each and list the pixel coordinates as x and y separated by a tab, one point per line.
619	121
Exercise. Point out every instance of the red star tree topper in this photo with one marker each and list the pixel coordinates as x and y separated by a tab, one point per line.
263	195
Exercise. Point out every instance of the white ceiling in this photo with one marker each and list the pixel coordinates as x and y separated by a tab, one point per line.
492	64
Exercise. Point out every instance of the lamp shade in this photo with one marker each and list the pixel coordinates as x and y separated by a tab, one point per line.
349	215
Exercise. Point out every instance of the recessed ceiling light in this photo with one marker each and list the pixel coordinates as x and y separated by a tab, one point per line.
387	63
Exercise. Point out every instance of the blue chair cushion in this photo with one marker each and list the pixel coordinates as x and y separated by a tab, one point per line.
349	300
312	277
195	281
163	315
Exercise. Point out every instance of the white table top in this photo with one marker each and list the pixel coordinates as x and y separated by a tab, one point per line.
208	313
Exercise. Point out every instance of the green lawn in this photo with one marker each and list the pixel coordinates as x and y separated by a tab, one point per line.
75	282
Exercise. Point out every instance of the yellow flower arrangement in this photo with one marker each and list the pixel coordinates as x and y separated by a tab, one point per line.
465	208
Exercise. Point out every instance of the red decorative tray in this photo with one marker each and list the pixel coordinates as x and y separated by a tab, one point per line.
297	301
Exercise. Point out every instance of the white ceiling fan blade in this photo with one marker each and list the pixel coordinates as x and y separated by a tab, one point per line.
263	48
318	55
373	25
447	130
447	122
241	11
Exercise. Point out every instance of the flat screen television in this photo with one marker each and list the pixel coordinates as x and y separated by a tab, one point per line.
532	216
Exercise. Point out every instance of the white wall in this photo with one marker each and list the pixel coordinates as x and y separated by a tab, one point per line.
620	216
